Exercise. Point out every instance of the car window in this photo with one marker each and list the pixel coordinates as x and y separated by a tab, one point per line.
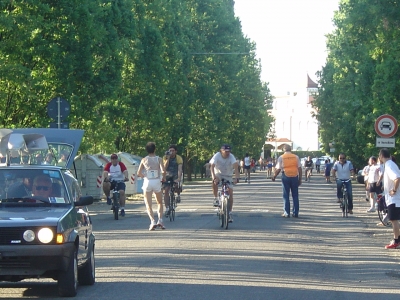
19	184
72	186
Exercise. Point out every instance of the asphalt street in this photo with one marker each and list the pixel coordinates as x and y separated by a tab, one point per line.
319	255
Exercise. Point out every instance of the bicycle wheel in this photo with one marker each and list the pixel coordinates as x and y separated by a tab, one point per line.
345	205
171	206
226	215
221	214
116	205
382	214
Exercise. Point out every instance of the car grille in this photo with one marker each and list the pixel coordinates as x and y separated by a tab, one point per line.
14	236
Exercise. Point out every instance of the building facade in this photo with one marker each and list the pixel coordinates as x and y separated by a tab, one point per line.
294	121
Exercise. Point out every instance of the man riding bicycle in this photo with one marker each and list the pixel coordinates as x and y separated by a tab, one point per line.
222	164
344	170
115	171
308	166
173	166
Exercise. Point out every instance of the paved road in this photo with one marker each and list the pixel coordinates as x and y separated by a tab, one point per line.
320	255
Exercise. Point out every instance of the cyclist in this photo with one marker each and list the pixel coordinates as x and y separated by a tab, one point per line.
222	164
115	171
173	166
344	169
152	170
308	166
318	166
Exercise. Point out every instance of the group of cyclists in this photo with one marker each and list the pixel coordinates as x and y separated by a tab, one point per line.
156	173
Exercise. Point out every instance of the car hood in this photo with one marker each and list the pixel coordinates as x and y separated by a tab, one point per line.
31	216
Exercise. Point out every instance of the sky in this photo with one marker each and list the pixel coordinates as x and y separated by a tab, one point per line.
290	38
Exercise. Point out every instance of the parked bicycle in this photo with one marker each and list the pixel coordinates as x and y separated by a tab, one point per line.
344	205
172	199
382	210
223	197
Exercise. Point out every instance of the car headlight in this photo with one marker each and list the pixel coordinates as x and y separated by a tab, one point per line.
29	235
45	235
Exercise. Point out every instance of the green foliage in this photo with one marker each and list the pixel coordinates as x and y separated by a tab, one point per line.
360	80
135	71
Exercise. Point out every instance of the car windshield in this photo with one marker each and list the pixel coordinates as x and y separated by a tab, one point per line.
32	186
56	155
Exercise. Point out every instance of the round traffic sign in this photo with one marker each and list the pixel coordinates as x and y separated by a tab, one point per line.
386	126
58	106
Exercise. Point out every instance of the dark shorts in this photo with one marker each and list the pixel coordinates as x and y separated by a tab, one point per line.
373	188
169	181
121	186
247	167
393	212
327	172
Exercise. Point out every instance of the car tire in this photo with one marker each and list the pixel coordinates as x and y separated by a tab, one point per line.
87	274
68	280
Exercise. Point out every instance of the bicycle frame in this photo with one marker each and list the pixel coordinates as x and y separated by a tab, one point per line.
345	201
172	200
223	197
115	198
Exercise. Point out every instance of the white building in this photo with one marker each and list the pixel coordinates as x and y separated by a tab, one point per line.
294	121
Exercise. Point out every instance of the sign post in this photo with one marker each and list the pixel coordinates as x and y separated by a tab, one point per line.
58	109
386	127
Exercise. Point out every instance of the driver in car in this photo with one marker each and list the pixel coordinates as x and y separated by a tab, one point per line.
42	186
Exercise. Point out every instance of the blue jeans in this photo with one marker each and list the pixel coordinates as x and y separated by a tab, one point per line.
290	184
349	191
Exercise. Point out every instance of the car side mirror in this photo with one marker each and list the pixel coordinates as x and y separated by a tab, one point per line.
84	200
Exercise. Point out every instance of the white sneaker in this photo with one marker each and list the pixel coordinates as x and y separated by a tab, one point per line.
371	210
230	218
216	202
153	225
167	211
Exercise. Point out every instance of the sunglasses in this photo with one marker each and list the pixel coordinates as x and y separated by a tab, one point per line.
42	187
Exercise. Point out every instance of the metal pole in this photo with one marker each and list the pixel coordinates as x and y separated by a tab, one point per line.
58	113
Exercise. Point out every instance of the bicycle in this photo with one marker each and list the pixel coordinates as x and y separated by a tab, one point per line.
344	205
172	200
115	197
382	210
223	196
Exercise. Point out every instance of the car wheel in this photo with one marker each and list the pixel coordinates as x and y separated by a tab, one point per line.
87	274
68	280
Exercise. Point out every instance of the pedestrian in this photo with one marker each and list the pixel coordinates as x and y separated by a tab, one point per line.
391	181
328	168
373	182
290	165
151	169
247	163
365	174
269	167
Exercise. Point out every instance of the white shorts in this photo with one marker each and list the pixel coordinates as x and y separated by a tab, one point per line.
226	178
151	185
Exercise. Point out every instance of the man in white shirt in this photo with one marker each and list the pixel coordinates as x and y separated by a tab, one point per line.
391	181
222	165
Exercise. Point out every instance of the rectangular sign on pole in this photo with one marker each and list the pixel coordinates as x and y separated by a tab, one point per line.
385	142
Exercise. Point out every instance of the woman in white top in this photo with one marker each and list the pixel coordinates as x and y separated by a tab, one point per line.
152	170
374	185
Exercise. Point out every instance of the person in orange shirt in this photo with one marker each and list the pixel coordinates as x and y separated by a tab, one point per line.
290	165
